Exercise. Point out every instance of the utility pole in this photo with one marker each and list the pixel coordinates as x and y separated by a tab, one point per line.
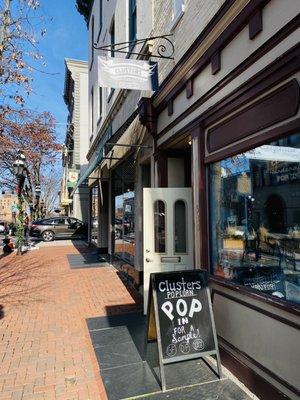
4	23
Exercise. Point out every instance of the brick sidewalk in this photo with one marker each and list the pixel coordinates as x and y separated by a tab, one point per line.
45	348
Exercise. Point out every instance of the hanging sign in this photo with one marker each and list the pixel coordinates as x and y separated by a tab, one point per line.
126	73
183	317
73	175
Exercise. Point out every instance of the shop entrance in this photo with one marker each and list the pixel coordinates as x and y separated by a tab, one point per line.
168	233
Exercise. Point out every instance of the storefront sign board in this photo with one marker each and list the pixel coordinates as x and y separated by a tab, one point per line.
183	317
126	73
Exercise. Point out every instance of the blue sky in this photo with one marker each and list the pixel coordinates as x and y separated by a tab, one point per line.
66	37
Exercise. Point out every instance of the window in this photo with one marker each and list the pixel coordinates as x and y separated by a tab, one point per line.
132	20
112	37
92	110
94	212
255	218
92	39
159	226
100	19
177	12
100	103
124	202
180	227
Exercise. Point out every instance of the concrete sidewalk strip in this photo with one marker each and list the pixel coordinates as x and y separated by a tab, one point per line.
118	342
86	261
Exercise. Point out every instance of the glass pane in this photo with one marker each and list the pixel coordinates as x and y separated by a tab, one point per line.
94	212
119	214
124	196
159	226
180	227
255	218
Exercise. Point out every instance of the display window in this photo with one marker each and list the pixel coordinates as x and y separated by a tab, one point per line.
94	213
254	202
123	194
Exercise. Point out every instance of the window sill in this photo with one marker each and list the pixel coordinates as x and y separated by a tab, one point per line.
176	20
285	305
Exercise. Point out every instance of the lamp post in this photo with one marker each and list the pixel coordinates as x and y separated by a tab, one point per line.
37	199
42	203
19	170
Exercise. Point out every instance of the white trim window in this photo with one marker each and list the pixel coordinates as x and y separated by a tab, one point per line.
178	7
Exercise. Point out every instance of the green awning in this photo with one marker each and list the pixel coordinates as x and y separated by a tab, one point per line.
90	169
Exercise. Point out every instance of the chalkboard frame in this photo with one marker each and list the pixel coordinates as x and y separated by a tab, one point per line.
152	297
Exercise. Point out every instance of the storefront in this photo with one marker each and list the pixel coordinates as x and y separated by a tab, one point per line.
247	213
239	111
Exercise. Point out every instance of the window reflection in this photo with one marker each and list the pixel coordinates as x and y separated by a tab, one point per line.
255	218
180	227
94	212
159	226
124	243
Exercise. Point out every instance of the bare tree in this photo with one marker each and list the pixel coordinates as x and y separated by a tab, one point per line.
50	186
20	29
34	135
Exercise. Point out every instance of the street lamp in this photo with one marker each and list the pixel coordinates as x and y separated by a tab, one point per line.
42	203
37	197
20	170
20	165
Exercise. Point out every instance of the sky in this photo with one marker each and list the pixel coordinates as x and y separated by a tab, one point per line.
66	37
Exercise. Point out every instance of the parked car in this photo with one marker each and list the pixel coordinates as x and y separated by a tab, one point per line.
58	227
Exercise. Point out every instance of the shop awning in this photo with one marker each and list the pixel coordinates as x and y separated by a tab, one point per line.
132	137
90	169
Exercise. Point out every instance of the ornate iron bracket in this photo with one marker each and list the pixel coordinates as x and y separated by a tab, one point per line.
163	50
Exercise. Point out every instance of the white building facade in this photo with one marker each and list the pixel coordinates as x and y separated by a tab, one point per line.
75	202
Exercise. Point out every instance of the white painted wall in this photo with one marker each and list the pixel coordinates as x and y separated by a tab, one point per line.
84	120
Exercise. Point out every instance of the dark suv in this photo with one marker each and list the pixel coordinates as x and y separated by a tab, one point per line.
58	227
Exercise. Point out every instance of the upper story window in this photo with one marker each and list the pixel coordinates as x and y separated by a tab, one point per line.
92	110
100	19
100	103
177	11
92	39
112	36
132	20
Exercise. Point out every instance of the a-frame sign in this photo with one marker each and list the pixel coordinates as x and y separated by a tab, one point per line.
180	318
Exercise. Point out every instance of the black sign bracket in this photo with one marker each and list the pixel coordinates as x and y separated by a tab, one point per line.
165	49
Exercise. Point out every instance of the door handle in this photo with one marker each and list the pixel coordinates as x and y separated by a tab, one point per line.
148	260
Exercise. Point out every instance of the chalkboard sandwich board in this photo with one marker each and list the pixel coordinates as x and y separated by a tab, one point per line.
183	318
